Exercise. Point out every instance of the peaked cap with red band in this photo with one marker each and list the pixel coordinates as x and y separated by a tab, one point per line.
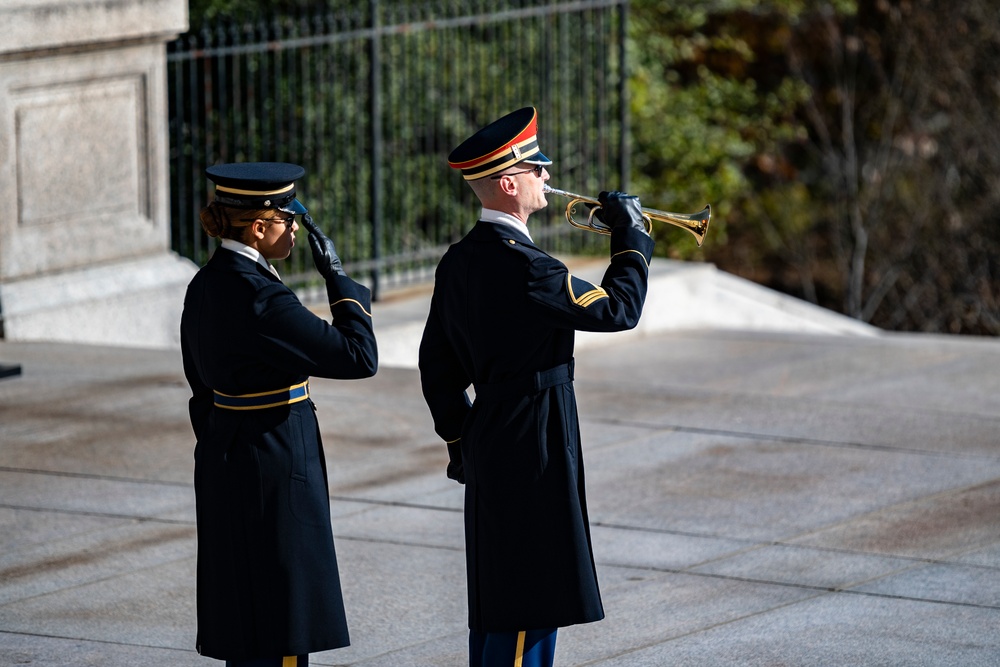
501	144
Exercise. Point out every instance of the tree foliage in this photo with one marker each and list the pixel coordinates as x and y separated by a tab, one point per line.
846	147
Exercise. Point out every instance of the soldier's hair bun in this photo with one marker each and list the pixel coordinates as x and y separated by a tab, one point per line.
215	220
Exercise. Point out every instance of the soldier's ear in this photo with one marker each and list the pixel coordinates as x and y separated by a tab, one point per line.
257	228
508	185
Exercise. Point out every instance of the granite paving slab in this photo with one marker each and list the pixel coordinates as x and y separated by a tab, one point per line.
756	499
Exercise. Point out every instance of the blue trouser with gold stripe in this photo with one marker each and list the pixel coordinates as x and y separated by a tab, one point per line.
289	661
528	648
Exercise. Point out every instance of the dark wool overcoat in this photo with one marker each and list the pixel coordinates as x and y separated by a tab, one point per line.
502	319
268	584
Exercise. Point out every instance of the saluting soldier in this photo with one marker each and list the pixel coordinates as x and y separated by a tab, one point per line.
268	586
502	319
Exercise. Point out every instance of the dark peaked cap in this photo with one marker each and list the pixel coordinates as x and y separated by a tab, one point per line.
257	185
501	144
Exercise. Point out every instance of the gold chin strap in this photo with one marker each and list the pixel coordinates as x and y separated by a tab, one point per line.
255	193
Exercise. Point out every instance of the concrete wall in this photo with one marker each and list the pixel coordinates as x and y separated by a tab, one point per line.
84	170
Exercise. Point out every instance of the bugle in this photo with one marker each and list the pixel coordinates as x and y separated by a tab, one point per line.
696	223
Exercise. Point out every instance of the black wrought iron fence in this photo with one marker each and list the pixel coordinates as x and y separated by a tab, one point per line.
372	99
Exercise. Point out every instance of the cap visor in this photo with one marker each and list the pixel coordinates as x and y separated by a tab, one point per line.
538	158
294	207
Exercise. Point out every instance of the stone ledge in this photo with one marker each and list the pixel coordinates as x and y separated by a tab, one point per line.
137	303
682	296
31	25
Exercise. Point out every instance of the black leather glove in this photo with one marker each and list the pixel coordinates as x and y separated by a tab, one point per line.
324	252
456	470
619	209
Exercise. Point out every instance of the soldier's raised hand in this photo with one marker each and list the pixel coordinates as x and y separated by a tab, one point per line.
620	209
324	252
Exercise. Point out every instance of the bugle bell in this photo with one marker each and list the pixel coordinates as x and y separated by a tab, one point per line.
696	223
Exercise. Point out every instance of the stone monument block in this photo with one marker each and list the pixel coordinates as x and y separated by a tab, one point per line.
84	167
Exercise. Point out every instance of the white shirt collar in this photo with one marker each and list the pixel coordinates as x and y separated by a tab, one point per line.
490	215
247	251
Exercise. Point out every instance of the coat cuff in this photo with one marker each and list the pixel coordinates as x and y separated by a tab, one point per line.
345	293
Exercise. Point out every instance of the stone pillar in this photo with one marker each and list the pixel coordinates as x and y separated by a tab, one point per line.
84	173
